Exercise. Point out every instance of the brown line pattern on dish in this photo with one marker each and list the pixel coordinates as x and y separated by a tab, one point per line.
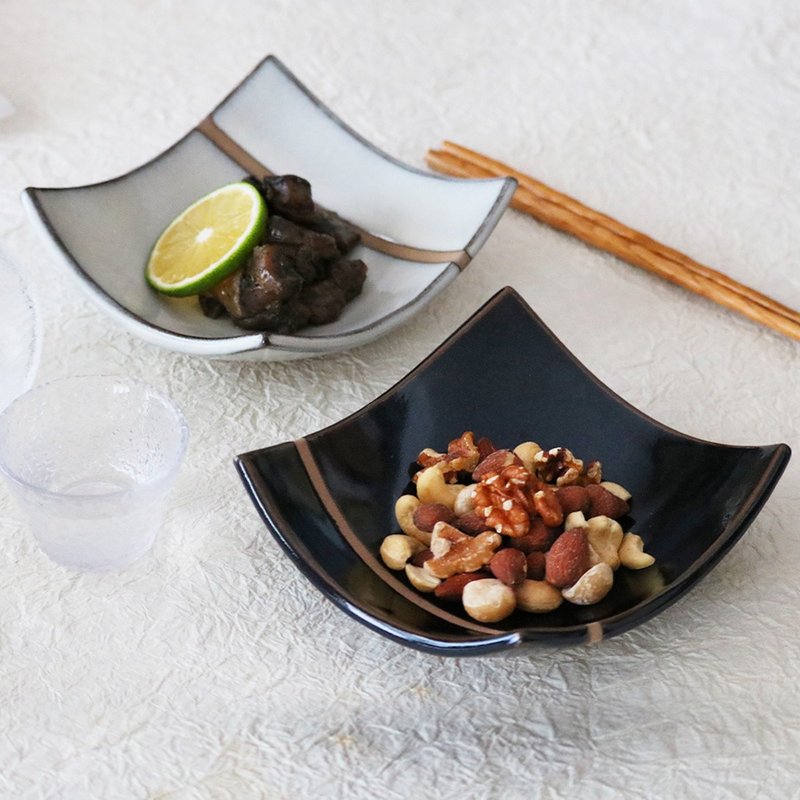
253	166
594	632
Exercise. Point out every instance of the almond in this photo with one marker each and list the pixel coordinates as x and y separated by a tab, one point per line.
452	588
568	558
536	565
605	504
509	566
485	447
418	559
427	515
471	523
540	537
574	498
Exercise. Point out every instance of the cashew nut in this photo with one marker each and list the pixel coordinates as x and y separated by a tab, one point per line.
605	536
465	500
538	597
591	587
404	510
397	548
526	452
594	557
421	579
488	600
617	490
575	519
631	552
432	488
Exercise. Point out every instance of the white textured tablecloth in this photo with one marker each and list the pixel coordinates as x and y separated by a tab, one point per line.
211	668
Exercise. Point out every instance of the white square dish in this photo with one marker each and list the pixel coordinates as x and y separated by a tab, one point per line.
419	230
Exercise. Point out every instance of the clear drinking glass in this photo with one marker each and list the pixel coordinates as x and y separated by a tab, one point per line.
91	462
20	332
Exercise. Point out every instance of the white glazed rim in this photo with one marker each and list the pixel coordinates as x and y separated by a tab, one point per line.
171	464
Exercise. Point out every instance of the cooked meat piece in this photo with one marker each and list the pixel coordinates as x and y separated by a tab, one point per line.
211	307
294	315
266	319
288	195
309	267
268	278
278	318
282	231
315	256
324	221
262	295
314	250
349	276
225	294
325	302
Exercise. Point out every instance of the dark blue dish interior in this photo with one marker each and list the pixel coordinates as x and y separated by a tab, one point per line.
504	375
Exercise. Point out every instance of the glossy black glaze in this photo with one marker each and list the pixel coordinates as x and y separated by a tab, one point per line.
505	376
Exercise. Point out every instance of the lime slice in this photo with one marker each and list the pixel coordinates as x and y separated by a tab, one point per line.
207	241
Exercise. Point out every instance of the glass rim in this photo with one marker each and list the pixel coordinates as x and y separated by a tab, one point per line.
171	464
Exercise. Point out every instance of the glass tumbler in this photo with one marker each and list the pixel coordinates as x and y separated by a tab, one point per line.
20	332
91	462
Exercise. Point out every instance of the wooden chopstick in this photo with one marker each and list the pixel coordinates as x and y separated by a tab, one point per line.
601	231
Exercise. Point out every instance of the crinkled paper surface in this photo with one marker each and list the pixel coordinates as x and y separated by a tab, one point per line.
211	669
6	108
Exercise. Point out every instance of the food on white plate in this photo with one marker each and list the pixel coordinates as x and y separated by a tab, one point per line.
262	253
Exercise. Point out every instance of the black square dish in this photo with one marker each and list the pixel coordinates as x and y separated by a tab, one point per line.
329	498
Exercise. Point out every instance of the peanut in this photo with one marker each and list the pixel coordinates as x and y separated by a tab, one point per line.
488	600
538	597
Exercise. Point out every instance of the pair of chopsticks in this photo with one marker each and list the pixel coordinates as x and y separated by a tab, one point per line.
601	231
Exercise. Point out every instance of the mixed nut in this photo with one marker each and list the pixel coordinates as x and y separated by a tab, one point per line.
530	529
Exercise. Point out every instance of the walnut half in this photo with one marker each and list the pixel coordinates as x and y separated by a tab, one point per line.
457	552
